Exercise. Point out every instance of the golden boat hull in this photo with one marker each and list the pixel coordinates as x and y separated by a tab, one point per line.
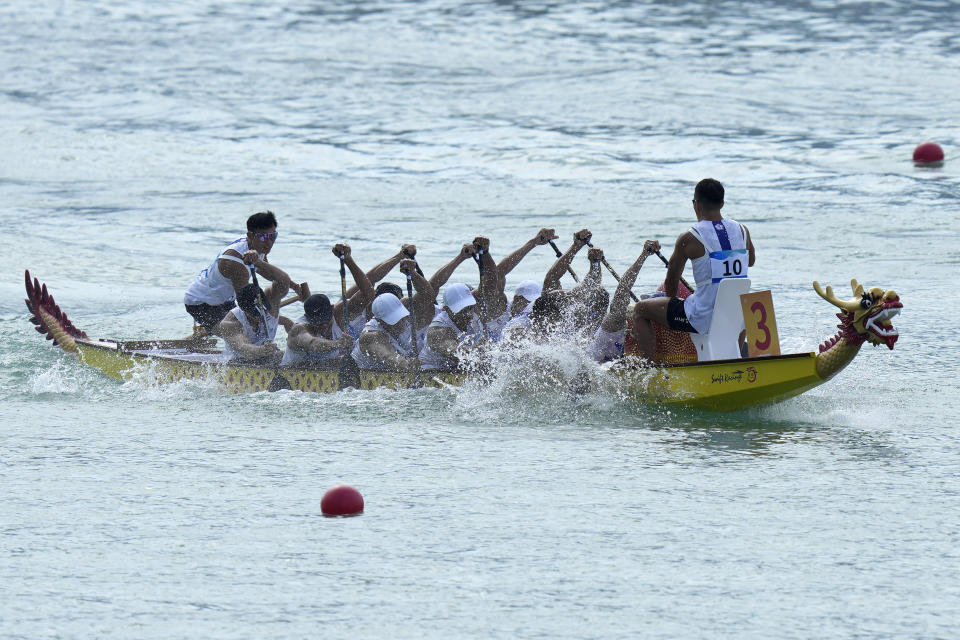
117	362
722	385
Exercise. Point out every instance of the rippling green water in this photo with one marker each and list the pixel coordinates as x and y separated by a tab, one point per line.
139	138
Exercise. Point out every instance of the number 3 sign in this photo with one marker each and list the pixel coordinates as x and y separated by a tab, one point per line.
762	338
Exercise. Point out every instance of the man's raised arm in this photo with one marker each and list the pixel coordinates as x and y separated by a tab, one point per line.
551	282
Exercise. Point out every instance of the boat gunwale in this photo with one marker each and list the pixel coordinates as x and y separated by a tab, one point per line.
637	365
117	347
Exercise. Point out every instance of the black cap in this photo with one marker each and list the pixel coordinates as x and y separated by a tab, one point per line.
317	309
247	298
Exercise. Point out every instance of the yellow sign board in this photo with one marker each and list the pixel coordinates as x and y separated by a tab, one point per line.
761	324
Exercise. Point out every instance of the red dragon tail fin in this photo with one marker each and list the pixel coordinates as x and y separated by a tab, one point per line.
47	316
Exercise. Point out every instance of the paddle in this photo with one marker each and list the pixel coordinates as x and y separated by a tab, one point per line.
483	301
343	291
304	294
412	256
263	305
667	263
413	328
560	255
616	276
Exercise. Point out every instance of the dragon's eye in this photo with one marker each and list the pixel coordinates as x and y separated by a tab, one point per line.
866	301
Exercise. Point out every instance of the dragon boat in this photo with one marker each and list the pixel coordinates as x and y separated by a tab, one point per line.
694	375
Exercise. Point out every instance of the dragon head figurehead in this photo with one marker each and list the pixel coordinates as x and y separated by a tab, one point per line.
866	316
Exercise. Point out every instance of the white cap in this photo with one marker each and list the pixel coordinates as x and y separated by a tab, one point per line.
530	290
388	308
457	297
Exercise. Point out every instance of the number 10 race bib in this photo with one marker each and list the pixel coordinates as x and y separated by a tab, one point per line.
731	263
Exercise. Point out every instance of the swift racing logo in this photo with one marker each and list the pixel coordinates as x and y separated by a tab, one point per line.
734	376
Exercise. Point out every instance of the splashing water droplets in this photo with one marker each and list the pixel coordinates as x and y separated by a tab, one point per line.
60	378
539	380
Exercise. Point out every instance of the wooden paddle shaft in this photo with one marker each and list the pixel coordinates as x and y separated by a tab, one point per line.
304	294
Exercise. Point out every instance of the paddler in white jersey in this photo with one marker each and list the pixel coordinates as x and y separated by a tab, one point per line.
386	342
452	328
610	337
524	296
250	329
470	250
375	275
575	311
320	337
212	293
499	309
718	247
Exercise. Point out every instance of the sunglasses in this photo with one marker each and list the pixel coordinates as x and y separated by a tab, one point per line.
264	237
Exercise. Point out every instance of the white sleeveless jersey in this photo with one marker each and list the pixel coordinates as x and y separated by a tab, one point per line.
429	358
257	337
724	256
357	324
305	358
212	287
519	321
403	346
495	327
606	345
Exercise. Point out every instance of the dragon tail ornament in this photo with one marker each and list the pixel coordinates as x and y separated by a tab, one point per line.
48	318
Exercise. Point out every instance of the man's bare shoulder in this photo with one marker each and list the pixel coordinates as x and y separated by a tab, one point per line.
440	332
368	337
688	245
230	323
232	268
297	329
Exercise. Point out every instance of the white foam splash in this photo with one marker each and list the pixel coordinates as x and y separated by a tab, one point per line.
540	380
60	378
149	383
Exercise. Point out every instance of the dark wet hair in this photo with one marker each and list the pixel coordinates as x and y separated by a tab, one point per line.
710	192
261	220
547	310
574	311
389	287
247	298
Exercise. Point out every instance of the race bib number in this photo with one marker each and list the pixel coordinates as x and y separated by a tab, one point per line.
761	325
728	264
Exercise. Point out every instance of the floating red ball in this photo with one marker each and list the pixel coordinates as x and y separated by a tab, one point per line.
928	153
341	500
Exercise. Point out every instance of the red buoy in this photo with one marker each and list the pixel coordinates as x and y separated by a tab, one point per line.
341	500
928	153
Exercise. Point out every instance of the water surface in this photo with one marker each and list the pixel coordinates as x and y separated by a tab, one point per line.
139	137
